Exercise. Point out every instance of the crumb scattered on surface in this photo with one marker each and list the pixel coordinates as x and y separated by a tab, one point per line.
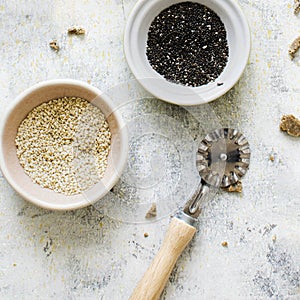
274	238
14	264
53	45
294	47
146	234
224	244
76	30
296	7
291	125
220	83
271	158
234	188
152	212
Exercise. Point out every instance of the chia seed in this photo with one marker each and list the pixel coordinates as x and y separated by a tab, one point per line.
187	44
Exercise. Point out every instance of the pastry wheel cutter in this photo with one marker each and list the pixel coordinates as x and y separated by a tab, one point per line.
222	158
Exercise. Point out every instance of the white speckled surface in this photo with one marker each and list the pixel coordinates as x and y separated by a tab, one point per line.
87	255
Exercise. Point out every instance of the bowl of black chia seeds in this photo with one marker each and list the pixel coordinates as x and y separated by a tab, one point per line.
187	52
63	144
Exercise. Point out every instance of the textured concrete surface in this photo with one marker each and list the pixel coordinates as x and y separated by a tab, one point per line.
100	252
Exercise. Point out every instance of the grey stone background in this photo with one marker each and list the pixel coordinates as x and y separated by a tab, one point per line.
100	252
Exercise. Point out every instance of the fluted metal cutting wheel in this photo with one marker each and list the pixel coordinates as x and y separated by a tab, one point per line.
223	157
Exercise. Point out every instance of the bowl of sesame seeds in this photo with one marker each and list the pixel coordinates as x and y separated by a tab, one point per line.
187	52
63	144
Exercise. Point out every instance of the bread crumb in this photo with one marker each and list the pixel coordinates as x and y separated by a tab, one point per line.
291	125
14	264
274	238
76	30
53	45
294	47
146	234
152	212
271	158
234	188
224	244
296	7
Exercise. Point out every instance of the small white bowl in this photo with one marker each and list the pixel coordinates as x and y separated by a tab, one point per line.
13	171
135	42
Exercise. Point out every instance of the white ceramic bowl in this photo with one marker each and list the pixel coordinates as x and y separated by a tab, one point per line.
135	41
19	109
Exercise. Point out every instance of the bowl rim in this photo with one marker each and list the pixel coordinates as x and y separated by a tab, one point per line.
119	168
188	97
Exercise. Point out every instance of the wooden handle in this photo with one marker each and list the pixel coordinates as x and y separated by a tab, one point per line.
154	280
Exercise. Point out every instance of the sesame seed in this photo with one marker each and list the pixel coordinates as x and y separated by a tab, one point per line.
187	44
63	145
